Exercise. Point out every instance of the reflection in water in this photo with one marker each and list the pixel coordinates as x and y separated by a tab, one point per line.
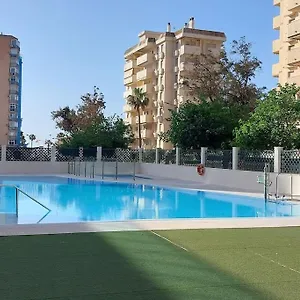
74	200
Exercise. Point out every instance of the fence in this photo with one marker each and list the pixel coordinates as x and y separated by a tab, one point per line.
279	160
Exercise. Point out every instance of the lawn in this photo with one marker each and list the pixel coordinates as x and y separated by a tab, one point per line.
222	264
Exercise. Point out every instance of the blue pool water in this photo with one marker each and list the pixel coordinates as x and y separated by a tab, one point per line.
72	200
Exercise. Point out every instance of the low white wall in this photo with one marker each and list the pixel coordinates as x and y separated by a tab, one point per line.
33	167
244	180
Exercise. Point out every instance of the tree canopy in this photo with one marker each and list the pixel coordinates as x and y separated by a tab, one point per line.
205	124
228	75
86	126
275	121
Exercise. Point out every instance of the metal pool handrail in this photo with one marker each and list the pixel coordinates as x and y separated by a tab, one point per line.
25	194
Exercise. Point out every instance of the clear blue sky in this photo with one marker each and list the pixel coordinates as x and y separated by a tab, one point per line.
69	46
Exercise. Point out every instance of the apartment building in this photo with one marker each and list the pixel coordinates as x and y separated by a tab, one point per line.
10	90
287	46
156	64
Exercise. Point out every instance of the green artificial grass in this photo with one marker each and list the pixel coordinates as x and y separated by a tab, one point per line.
219	265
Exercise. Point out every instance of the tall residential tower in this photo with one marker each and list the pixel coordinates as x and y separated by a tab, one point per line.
10	90
156	65
287	46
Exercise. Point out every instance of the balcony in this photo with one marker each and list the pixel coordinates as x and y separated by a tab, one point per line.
161	87
156	72
15	44
294	30
128	73
190	50
146	133
147	88
144	59
156	88
294	56
128	108
293	6
294	79
161	71
130	80
161	55
143	45
127	93
275	70
176	69
276	23
14	52
176	52
129	65
144	74
276	46
175	85
145	119
130	121
186	67
14	62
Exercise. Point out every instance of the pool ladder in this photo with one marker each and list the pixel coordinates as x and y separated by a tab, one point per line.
19	191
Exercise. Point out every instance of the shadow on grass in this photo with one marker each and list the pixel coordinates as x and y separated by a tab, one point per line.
123	265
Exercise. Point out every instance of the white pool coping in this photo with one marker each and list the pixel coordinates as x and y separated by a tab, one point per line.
145	225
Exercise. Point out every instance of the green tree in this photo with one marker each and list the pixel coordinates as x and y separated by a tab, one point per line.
275	121
111	132
205	124
138	100
32	138
89	111
228	76
23	142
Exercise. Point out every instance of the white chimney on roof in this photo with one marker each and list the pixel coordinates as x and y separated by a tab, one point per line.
185	25
192	23
169	27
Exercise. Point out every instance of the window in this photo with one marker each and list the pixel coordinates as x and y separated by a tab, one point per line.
161	48
160	96
12	107
13	116
176	61
11	133
176	78
177	45
161	64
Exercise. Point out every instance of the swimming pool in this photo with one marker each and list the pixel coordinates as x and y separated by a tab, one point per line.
74	200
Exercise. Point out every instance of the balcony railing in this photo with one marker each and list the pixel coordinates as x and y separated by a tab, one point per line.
276	46
294	29
190	50
293	6
294	56
275	70
130	79
128	73
144	74
127	93
128	108
129	65
144	59
145	119
276	23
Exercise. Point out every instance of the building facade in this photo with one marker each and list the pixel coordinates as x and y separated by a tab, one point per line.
287	46
156	65
10	90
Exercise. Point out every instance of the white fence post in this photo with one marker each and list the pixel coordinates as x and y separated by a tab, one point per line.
177	156
140	155
277	159
203	155
157	155
235	158
99	154
53	154
3	153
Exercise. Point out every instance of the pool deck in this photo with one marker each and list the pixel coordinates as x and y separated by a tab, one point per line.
142	225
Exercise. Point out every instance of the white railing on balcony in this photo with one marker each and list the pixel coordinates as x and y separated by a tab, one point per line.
189	50
128	65
144	59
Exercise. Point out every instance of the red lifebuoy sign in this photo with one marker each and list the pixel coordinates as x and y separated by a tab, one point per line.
201	170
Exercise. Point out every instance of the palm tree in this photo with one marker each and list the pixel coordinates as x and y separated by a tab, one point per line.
138	100
32	138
